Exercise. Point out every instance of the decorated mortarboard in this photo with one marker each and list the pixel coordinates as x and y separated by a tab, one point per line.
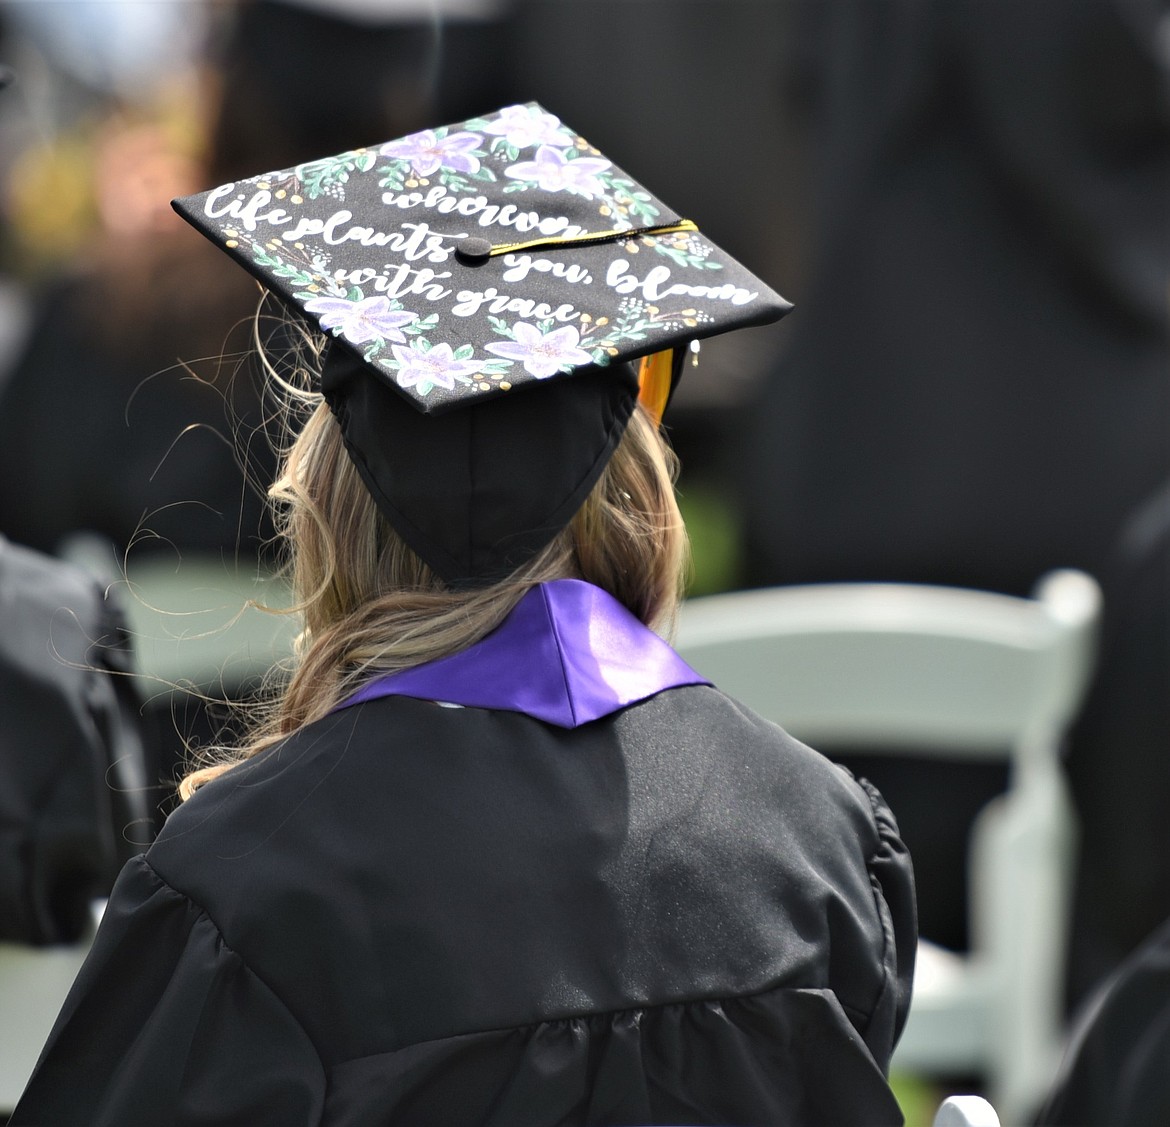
460	269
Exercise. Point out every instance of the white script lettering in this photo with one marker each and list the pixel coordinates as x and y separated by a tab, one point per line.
469	303
653	290
486	214
249	212
519	265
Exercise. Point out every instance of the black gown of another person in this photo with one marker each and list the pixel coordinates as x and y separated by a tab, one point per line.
1114	1069
974	388
1118	765
75	773
555	878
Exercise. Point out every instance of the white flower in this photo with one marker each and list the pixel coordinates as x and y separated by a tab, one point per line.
427	152
361	321
552	171
524	126
543	354
435	368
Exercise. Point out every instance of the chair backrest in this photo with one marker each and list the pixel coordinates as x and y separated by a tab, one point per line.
942	673
965	1111
902	666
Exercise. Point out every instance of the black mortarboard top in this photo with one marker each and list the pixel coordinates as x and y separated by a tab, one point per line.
487	285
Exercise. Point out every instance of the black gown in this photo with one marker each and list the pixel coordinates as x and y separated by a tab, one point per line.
1114	1067
670	912
76	775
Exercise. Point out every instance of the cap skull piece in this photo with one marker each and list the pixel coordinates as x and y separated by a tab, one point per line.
462	265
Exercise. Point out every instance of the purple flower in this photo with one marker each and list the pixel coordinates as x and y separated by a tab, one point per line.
428	153
523	126
437	368
554	173
543	354
361	321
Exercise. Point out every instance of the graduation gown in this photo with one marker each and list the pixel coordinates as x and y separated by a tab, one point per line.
595	891
75	762
1114	1066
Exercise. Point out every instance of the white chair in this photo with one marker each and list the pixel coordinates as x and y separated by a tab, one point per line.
965	1111
956	674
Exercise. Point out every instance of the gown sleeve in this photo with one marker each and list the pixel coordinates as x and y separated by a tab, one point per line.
166	1026
891	876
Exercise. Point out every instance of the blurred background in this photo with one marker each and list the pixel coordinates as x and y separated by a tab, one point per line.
966	199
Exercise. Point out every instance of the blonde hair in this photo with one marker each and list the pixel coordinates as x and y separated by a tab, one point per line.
371	606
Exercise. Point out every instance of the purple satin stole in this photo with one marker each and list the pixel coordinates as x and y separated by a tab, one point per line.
568	653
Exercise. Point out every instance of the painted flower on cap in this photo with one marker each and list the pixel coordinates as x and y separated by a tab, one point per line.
543	354
435	367
361	321
524	126
552	171
428	152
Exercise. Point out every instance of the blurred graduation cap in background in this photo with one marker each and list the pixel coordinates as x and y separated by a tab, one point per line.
499	295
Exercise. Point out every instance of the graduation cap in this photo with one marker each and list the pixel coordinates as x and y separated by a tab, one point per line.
499	294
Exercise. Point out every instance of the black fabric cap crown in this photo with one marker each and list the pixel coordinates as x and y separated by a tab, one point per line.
469	490
469	264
